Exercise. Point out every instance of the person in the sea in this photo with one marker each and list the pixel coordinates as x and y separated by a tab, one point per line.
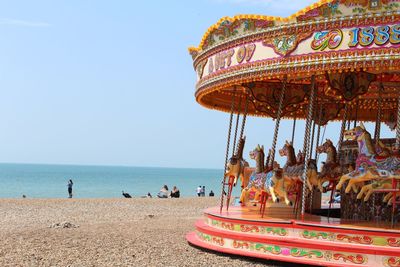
163	193
70	184
149	195
175	193
211	194
198	191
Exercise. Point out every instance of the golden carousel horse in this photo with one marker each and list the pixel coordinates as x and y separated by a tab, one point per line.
369	189
293	169
236	165
259	179
370	165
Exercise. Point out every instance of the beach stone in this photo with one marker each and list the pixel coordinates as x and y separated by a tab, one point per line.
63	225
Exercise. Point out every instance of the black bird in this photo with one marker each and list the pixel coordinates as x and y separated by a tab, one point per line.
126	195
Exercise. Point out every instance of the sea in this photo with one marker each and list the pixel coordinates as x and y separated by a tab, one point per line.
50	181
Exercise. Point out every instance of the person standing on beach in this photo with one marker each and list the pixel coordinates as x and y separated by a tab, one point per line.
198	191
203	191
70	184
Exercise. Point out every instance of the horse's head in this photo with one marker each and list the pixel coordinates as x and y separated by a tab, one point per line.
355	133
325	147
255	153
284	151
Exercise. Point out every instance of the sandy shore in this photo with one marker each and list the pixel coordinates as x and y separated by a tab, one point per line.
111	232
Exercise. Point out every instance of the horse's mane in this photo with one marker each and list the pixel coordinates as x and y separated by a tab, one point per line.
240	147
368	142
334	152
260	160
291	155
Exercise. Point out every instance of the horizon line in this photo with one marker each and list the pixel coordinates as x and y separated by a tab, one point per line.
105	165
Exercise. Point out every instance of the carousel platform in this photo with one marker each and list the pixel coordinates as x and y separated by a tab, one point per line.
280	236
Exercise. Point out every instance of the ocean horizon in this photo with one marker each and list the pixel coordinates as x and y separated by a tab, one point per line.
96	181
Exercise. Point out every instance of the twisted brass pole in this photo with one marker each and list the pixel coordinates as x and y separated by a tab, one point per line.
227	152
278	120
305	144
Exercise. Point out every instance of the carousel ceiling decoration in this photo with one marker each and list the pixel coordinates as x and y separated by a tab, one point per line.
265	97
352	47
350	84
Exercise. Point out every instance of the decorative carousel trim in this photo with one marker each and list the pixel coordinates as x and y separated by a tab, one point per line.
391	261
236	18
248	228
287	251
298	66
355	20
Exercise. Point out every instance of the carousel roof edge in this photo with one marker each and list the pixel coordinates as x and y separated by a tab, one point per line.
193	51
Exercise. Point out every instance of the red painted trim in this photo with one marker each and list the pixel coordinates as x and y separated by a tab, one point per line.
193	239
299	242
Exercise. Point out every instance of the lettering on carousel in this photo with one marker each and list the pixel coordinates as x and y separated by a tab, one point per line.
223	59
379	35
327	39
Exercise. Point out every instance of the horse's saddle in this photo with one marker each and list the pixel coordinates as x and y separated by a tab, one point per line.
258	179
294	170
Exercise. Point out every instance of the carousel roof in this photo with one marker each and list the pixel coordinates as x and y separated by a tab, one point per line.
352	47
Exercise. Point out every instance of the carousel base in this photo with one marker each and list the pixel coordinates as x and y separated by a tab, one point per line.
279	236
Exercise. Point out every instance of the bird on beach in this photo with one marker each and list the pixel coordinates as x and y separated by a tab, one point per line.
126	195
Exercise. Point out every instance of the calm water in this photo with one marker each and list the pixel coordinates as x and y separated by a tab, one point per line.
50	181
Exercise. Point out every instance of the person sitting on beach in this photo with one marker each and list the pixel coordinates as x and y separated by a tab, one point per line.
175	192
163	192
149	195
203	191
211	194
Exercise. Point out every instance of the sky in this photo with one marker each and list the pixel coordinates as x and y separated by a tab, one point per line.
112	83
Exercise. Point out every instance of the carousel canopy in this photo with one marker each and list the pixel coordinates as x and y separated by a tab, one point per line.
350	46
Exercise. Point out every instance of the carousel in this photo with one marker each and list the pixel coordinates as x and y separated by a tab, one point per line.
336	60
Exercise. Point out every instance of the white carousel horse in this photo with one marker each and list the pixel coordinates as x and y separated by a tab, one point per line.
369	164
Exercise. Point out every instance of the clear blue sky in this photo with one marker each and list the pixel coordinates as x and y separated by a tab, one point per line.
111	82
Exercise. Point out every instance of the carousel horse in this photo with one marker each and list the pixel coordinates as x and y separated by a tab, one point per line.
259	180
331	169
293	169
369	164
236	165
369	189
254	182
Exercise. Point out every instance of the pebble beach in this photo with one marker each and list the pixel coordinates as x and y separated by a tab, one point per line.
105	232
